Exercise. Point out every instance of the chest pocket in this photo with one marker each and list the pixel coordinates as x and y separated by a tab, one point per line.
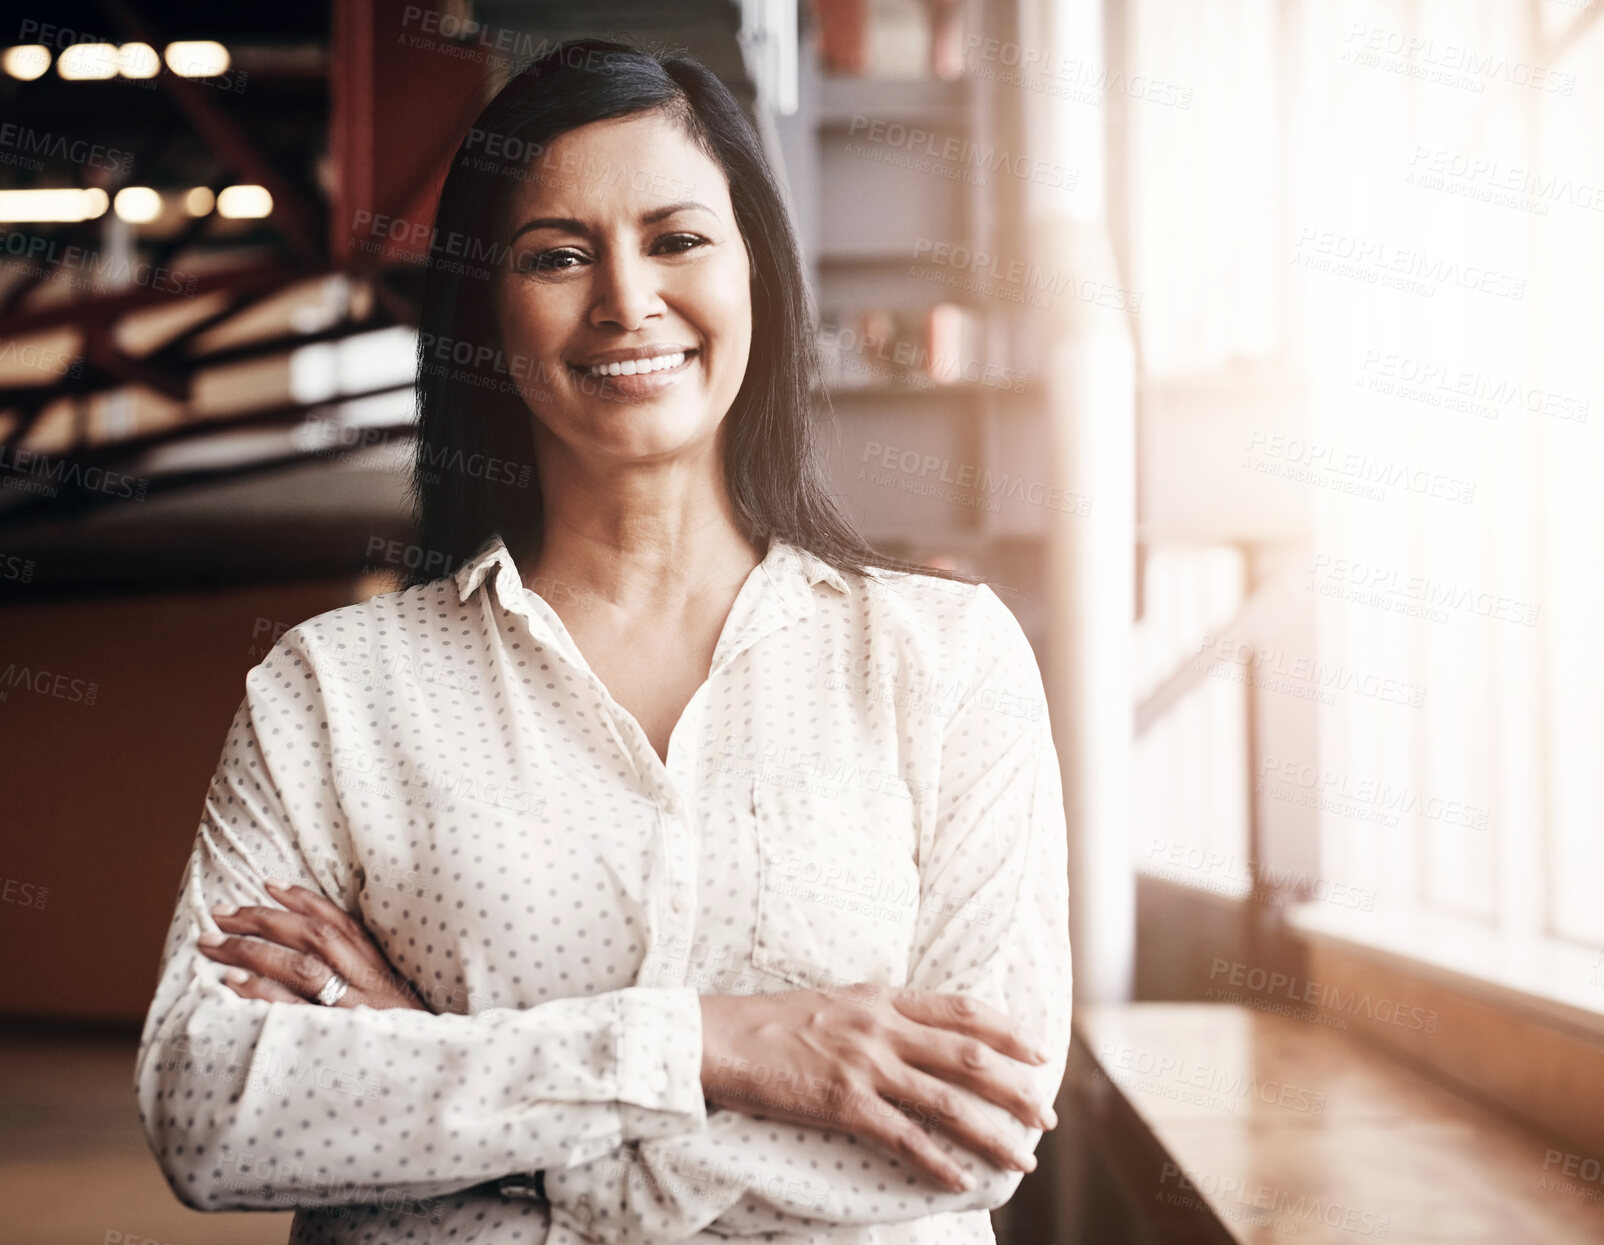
838	890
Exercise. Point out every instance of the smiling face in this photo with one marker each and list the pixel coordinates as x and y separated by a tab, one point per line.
625	294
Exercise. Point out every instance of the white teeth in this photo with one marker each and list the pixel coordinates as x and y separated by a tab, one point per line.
635	367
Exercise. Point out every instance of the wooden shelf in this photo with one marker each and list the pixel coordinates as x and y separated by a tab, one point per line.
928	103
1226	1124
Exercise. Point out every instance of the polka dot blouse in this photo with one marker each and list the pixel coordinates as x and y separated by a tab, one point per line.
864	789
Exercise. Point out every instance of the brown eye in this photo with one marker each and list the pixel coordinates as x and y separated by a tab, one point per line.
538	262
679	243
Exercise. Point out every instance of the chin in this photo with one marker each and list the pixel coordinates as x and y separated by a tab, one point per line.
644	437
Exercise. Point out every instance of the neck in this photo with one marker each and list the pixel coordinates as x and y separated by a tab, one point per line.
640	537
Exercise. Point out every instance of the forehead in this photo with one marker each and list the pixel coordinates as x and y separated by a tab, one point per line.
621	167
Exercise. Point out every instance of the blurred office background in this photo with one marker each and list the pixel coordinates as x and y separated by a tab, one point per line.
1248	347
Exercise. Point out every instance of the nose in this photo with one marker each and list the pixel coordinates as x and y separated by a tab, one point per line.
625	293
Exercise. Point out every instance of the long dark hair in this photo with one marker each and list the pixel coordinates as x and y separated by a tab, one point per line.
474	474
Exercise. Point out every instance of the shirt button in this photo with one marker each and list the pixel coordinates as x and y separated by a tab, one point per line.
677	902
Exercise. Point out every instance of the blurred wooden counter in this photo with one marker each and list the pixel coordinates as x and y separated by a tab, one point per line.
1222	1124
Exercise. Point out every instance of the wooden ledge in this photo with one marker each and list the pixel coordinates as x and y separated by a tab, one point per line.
1223	1124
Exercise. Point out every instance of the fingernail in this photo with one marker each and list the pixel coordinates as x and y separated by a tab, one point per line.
1038	1054
211	938
238	976
1049	1118
1025	1162
226	909
965	1182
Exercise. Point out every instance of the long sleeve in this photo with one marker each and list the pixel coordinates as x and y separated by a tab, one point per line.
992	924
255	1105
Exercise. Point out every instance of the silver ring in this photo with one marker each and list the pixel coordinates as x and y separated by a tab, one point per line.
333	990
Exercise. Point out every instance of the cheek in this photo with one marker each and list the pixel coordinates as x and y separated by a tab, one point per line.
532	312
731	310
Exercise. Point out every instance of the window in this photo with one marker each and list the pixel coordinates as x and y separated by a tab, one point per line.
1401	206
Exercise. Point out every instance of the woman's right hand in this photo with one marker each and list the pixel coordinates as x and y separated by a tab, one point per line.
881	1064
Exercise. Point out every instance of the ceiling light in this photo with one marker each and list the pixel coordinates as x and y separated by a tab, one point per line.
138	60
64	204
197	58
26	61
87	62
137	204
244	202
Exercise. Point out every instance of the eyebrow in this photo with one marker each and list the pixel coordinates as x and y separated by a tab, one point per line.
569	225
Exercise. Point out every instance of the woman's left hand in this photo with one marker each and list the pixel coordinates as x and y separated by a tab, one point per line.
288	954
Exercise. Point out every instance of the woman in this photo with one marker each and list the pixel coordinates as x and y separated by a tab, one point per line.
674	863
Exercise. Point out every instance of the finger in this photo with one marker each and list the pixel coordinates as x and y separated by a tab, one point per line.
886	1126
970	1063
314	936
317	906
979	1048
972	1018
277	925
345	943
300	971
250	986
943	1107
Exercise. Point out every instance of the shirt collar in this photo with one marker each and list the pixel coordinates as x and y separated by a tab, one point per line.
491	554
792	569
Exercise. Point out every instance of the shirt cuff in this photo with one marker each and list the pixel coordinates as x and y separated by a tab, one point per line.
660	1062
